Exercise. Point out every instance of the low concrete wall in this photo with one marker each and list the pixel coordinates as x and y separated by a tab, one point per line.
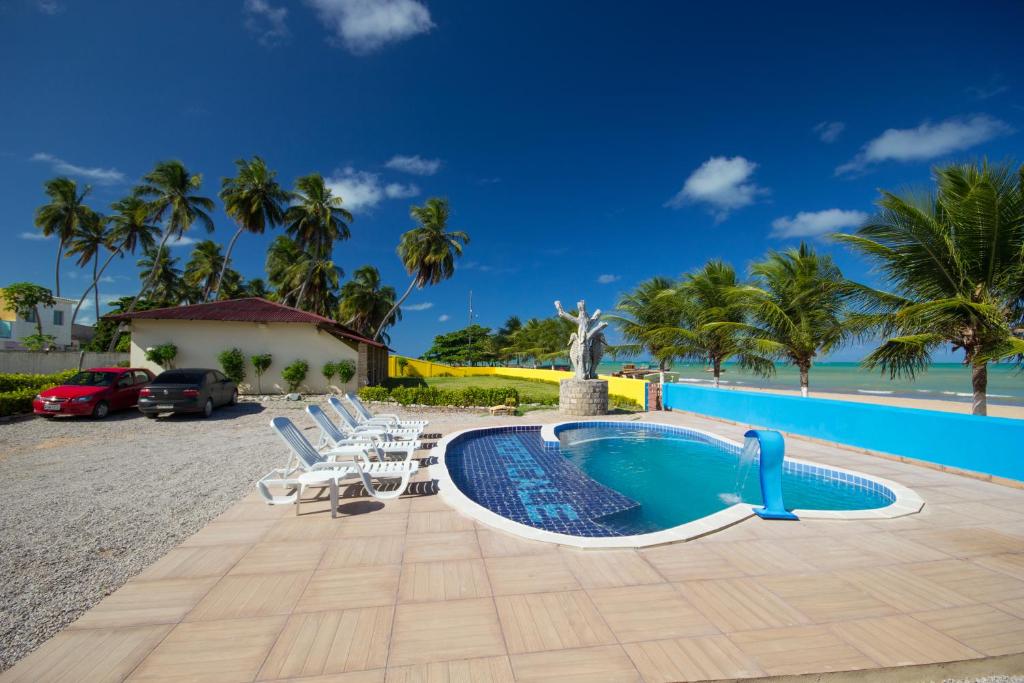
40	363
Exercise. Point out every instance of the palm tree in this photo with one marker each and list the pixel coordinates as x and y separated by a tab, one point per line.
428	251
365	302
161	270
62	216
651	306
953	260
255	200
171	191
86	243
130	227
317	220
256	287
282	254
205	268
796	306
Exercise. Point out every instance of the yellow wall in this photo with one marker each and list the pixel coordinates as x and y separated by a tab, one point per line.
200	341
633	389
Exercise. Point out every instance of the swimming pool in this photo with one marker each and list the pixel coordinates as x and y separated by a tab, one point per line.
635	483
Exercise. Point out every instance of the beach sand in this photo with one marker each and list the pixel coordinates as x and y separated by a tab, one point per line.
963	406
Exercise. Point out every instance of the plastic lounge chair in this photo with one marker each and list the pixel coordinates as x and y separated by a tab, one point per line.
364	416
337	444
348	420
306	458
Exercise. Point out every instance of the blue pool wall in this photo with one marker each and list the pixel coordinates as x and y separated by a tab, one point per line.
989	445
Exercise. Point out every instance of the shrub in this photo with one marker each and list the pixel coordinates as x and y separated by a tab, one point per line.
260	363
329	370
17	381
432	396
346	371
232	362
295	374
39	342
15	402
163	355
374	394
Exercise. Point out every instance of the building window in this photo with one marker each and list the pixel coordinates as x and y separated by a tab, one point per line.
5	329
58	317
30	316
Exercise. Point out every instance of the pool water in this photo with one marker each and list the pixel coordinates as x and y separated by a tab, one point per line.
677	480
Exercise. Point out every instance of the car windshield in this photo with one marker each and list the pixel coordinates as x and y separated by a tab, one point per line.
92	379
179	377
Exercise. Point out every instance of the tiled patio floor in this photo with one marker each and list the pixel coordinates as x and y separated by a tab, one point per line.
411	591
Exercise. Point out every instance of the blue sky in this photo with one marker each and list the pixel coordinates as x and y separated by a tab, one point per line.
585	146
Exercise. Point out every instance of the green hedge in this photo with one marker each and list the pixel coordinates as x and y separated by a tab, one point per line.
431	396
18	381
15	402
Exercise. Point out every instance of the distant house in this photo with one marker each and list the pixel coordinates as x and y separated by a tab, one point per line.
56	321
256	326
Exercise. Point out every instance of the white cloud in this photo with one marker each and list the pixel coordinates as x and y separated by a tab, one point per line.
816	223
418	307
266	22
927	141
182	241
828	131
367	25
50	7
723	184
100	176
444	317
416	165
400	191
995	86
357	189
34	236
608	278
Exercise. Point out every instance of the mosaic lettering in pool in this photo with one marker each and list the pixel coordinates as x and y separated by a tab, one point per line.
512	474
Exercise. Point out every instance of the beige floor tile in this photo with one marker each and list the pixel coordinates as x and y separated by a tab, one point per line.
374	676
740	605
304	529
254	511
829	553
605	664
986	629
339	589
147	602
1014	607
215	651
965	542
491	669
251	595
825	598
452	545
365	505
273	558
195	562
691	659
900	641
551	621
363	552
230	533
1011	564
499	544
372	525
450	580
800	649
890	548
690	562
438	521
98	655
897	586
534	574
435	503
970	580
610	568
444	631
650	612
329	643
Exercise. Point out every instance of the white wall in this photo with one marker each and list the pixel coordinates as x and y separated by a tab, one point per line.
200	341
47	363
21	328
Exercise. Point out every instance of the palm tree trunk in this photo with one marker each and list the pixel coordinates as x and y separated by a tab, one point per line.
398	304
805	371
979	383
56	274
717	364
145	285
95	279
95	283
39	322
227	260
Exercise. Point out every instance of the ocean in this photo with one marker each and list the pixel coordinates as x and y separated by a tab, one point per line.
943	381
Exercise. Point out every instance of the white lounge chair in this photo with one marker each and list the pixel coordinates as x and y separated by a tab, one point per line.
364	416
306	458
349	420
338	444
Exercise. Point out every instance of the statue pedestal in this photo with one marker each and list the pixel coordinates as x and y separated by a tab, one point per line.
583	397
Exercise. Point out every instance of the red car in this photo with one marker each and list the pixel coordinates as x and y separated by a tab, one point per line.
95	392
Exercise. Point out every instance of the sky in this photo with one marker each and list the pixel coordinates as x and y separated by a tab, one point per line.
584	146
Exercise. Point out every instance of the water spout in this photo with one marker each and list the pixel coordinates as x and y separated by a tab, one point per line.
772	449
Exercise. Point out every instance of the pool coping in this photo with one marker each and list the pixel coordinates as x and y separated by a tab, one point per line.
906	501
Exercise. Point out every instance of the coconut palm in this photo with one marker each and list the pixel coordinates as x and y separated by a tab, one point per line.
365	302
161	269
62	216
653	305
796	307
86	243
171	192
256	287
205	268
953	261
255	200
317	220
428	251
282	255
319	290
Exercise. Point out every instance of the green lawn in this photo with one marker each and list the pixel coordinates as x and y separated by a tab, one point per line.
525	388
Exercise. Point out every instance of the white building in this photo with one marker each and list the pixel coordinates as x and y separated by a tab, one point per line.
56	322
